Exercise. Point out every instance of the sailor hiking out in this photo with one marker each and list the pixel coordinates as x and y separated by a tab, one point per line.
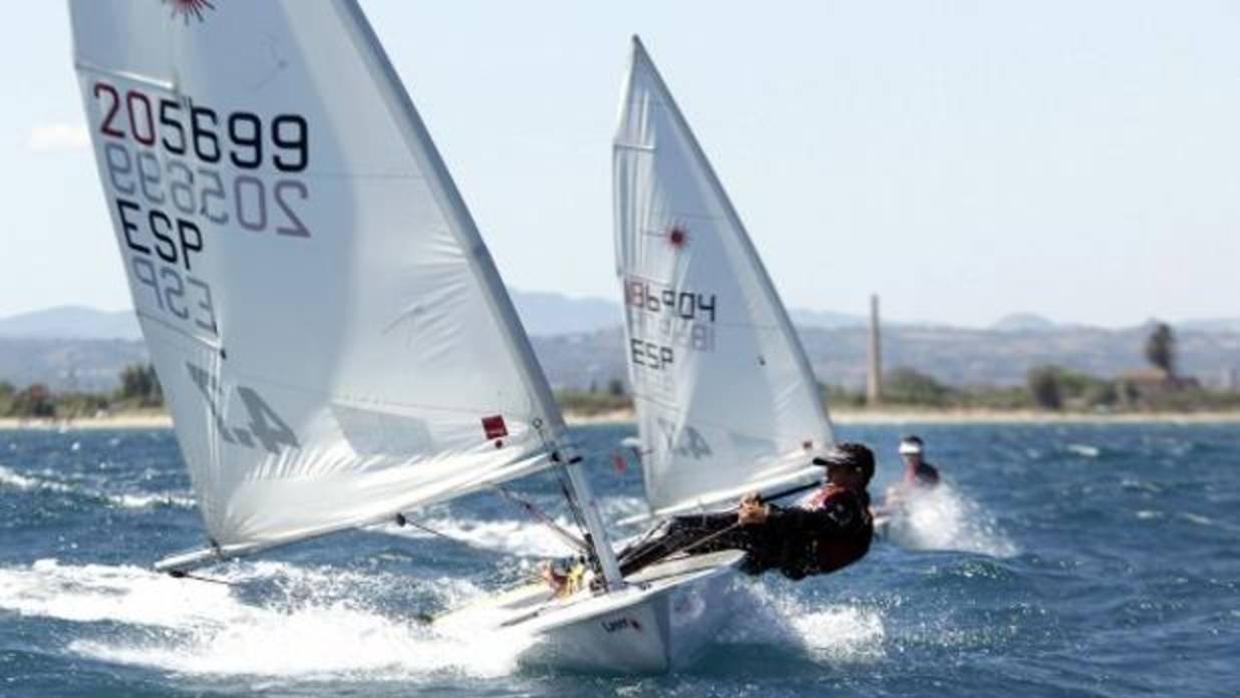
831	530
917	472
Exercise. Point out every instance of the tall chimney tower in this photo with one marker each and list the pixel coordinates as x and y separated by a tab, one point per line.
874	381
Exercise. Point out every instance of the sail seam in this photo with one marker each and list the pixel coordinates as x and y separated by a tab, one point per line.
159	83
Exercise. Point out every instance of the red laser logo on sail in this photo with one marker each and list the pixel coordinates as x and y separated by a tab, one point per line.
677	237
189	8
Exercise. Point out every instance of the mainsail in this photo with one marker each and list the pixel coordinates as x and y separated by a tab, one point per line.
725	398
330	331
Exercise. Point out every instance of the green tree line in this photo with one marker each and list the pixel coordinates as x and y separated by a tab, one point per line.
139	389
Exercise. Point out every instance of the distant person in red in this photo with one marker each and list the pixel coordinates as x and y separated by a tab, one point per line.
830	530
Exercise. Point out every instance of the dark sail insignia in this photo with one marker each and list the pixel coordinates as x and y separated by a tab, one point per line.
189	8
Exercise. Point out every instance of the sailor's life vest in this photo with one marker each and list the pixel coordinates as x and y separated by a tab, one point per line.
925	475
832	531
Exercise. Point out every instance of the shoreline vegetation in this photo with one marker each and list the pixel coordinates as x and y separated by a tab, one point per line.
157	419
1052	394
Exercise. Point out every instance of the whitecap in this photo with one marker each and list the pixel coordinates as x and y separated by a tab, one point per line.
125	594
140	500
14	479
834	632
322	624
944	519
524	537
1084	450
1197	519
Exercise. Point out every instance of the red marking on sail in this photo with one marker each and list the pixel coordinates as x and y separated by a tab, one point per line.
494	427
188	8
678	237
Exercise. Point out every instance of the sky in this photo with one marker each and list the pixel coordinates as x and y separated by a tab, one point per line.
964	160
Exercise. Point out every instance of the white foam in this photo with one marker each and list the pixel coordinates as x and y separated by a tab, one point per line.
317	642
142	501
616	508
14	479
944	519
524	537
830	632
1207	521
126	594
29	483
321	626
1084	450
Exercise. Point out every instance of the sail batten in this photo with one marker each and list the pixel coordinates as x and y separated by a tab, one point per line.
332	336
724	393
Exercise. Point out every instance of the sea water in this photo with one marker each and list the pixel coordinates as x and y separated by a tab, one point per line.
1056	560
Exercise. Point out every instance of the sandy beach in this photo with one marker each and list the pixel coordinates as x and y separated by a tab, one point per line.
899	416
141	420
148	420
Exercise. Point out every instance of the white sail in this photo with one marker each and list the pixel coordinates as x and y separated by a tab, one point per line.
726	401
331	334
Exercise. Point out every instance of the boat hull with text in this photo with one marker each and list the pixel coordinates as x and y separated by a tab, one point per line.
664	619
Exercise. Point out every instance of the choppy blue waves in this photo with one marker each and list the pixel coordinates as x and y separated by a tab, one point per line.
1061	560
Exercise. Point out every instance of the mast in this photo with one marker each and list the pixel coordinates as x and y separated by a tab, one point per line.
596	533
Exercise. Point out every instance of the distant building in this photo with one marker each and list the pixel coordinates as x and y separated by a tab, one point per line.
874	380
1148	382
1229	379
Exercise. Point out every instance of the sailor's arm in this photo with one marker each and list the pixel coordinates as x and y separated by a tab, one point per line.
838	516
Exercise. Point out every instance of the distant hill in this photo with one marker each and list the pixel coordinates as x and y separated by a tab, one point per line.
554	313
71	322
91	365
1023	322
580	342
542	313
953	355
826	318
1211	325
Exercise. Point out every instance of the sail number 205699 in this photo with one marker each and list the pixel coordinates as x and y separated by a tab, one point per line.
181	128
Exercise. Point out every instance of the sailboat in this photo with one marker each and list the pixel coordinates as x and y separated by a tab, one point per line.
725	398
333	339
726	401
331	334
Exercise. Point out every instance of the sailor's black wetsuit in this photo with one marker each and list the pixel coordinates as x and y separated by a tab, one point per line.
832	531
925	475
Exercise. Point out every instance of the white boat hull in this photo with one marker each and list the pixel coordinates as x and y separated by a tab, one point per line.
663	620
